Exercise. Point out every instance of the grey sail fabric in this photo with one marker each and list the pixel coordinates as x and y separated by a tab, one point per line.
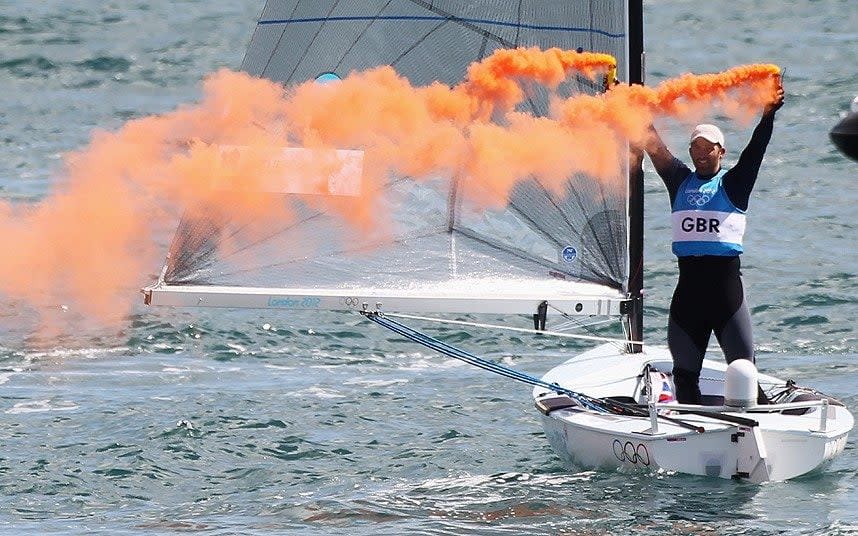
434	236
424	40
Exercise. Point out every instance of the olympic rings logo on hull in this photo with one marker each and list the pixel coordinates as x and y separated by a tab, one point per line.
631	453
698	200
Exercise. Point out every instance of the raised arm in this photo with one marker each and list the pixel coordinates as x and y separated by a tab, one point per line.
740	180
671	170
661	157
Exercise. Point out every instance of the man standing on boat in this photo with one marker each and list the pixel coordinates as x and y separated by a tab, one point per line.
708	221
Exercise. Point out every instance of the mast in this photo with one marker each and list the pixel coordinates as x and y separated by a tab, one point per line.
634	318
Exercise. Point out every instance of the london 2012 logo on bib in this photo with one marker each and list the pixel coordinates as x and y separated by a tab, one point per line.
698	199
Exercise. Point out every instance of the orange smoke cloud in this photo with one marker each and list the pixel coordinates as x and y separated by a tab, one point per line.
498	78
90	243
746	86
741	92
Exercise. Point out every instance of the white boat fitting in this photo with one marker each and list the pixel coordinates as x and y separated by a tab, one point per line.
799	434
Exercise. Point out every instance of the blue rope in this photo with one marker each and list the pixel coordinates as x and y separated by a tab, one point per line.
594	404
451	351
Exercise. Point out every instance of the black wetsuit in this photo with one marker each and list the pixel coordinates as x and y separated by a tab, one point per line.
710	296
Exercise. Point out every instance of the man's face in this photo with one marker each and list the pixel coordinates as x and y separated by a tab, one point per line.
706	156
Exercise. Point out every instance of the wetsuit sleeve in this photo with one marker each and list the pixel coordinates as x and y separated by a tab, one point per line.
672	175
671	170
739	181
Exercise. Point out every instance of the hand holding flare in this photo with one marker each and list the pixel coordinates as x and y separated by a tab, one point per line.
778	100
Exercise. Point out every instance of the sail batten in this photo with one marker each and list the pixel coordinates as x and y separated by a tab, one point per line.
439	18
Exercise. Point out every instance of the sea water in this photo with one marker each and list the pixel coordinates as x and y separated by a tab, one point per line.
260	422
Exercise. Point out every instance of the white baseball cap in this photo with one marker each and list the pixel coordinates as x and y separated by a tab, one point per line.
708	132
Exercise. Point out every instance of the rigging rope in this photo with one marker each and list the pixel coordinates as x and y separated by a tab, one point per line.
511	328
600	405
585	401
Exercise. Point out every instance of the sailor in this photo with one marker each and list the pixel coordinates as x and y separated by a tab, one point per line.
708	220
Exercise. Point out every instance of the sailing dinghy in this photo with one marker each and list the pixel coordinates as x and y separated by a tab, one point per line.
573	255
798	431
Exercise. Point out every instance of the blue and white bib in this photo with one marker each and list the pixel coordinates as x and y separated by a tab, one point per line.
704	220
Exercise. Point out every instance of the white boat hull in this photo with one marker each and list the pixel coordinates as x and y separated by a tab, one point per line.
766	445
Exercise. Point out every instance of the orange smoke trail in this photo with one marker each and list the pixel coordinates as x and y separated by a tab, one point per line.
497	78
756	83
440	130
90	243
741	92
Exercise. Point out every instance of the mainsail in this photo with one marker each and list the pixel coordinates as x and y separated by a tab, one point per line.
439	250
